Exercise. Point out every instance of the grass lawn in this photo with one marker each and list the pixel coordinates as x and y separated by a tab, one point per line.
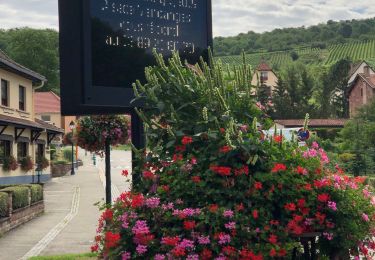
88	256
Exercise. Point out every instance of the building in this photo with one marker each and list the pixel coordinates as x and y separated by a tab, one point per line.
21	133
361	87
264	78
48	108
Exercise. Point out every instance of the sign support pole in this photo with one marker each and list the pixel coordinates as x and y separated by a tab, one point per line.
138	140
108	184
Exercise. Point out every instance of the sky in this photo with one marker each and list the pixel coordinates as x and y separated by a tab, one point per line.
230	17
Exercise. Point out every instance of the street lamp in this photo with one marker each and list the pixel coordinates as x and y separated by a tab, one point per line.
72	126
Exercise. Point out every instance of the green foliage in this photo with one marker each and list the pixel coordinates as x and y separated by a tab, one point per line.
35	49
317	36
36	193
67	154
10	163
42	163
20	196
61	162
3	204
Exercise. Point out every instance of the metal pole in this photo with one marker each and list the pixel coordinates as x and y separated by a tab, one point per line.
72	172
138	140
108	195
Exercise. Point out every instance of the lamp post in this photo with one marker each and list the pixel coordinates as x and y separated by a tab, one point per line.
72	126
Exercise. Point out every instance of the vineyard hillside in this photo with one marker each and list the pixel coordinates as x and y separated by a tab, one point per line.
354	51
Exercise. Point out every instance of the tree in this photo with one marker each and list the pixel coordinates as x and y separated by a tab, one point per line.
346	30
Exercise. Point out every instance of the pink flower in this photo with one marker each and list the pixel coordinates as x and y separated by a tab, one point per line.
366	193
204	240
365	217
328	236
159	257
125	256
192	257
186	243
141	249
332	205
152	202
315	145
140	228
224	238
230	225
228	214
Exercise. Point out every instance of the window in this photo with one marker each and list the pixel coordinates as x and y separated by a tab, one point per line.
4	93
46	118
39	153
5	149
22	150
22	98
263	76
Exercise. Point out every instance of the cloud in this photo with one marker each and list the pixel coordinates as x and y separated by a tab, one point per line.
229	17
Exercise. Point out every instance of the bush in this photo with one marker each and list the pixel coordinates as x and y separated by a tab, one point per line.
3	204
27	164
211	186
20	196
60	162
10	164
67	154
36	193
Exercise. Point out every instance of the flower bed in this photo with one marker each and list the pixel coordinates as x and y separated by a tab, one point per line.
212	186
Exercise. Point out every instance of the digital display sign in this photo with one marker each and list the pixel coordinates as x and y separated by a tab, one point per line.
105	46
124	32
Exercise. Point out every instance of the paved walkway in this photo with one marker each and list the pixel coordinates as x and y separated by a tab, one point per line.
70	219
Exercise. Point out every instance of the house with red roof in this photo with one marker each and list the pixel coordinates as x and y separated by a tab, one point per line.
264	78
47	107
361	86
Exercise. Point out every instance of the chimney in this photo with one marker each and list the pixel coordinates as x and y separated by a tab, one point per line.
366	71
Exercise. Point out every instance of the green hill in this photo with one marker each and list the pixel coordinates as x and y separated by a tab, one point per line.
355	51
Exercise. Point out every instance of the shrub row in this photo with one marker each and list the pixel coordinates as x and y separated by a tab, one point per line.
20	196
3	204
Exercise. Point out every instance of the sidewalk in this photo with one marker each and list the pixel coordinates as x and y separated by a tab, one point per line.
69	222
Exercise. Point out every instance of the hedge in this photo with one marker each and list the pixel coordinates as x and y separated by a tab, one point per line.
3	204
67	154
20	196
36	193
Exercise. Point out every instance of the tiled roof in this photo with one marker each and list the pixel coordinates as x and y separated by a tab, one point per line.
46	102
9	120
313	123
263	66
12	66
48	126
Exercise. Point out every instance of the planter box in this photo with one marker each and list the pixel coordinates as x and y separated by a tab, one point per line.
60	170
21	216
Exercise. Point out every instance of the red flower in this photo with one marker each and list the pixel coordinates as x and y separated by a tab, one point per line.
95	248
243	170
206	254
278	138
196	179
320	217
272	239
282	252
213	208
225	149
301	203
107	215
148	175
177	157
278	167
273	252
111	239
229	250
178	251
301	170
222	130
240	207
255	214
189	225
290	206
186	140
125	173
221	170
258	185
170	241
297	218
324	197
165	188
180	148
137	201
308	187
274	222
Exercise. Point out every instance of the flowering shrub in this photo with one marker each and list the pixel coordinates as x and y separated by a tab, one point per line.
213	188
27	164
42	163
10	163
92	132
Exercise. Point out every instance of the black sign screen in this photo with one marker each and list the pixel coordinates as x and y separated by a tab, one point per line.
124	32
